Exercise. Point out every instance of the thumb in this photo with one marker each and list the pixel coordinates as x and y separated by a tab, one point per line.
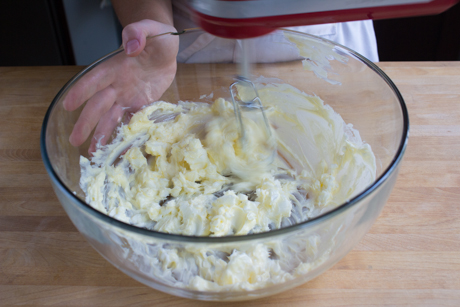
135	35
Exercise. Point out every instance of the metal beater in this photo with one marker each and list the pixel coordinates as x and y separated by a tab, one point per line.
252	105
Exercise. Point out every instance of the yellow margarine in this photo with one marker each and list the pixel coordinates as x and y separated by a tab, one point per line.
185	170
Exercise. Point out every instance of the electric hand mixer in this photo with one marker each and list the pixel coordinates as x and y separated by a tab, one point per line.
241	19
251	18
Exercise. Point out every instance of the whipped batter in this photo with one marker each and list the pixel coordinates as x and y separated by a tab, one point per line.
184	169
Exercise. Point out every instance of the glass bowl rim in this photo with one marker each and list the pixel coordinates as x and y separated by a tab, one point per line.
233	238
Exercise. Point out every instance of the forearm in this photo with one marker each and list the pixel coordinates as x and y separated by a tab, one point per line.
129	11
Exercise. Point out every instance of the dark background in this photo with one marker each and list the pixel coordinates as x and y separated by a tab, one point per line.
36	33
426	38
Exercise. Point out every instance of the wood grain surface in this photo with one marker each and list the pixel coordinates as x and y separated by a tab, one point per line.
411	256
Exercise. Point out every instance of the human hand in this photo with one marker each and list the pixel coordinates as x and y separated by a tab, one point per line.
124	83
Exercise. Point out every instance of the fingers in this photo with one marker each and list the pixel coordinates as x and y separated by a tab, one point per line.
135	35
106	126
95	108
94	81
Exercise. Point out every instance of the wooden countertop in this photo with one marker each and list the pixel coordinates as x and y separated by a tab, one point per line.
411	256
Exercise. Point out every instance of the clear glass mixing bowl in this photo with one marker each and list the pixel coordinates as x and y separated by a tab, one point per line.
353	86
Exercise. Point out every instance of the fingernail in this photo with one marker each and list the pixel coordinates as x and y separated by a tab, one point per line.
132	46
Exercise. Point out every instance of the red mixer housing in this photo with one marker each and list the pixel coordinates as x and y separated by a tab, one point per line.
251	18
